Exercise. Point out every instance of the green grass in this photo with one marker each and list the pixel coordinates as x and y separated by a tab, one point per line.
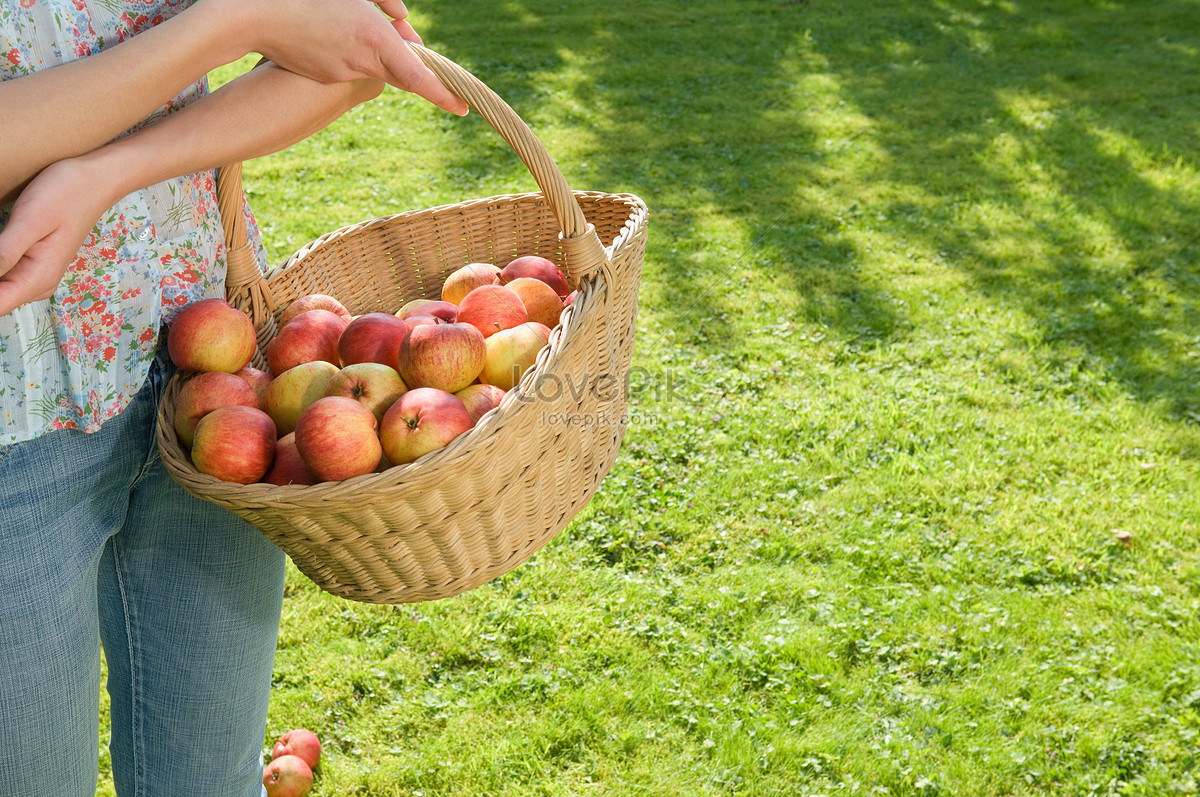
919	331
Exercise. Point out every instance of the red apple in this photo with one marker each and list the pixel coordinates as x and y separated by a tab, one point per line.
463	280
372	338
290	393
234	444
301	742
490	308
570	300
422	420
434	307
479	399
542	303
538	268
418	320
287	776
337	438
211	335
374	385
313	301
289	467
446	356
510	352
202	394
407	307
312	335
257	379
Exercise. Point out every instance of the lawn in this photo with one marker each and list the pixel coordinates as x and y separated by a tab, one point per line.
909	502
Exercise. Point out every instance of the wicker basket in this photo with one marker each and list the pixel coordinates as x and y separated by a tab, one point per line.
474	510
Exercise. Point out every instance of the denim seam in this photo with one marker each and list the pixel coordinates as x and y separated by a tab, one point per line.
135	675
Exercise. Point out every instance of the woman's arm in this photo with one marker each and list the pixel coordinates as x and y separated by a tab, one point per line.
261	112
71	109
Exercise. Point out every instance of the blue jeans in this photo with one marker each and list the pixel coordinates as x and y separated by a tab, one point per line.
99	546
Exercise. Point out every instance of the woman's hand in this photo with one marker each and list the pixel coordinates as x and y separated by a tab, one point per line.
50	220
343	40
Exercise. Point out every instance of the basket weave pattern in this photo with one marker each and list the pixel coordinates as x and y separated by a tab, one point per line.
474	510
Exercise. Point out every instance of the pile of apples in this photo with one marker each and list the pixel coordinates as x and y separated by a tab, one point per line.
294	756
349	395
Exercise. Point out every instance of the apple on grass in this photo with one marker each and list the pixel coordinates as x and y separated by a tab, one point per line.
337	437
422	420
541	302
445	356
289	467
301	742
211	335
511	352
313	301
312	335
539	268
490	308
290	393
205	392
480	399
287	776
372	338
234	444
375	385
465	279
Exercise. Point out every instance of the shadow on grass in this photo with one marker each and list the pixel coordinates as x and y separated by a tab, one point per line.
1069	118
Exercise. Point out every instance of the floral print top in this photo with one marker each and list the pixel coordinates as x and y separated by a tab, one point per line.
77	359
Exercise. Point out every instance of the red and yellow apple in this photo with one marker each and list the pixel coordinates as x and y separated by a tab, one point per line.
434	307
490	308
337	437
541	302
372	338
256	378
289	467
311	335
511	352
313	301
465	279
374	385
234	444
480	399
539	268
290	393
444	356
205	392
301	742
211	335
422	420
287	776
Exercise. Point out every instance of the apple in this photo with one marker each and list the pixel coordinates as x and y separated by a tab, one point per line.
234	444
446	356
510	352
256	378
570	299
337	437
479	399
313	301
312	335
418	320
287	776
289	467
290	393
490	308
372	338
407	307
300	742
541	302
434	307
211	335
422	420
202	394
374	385
463	280
538	268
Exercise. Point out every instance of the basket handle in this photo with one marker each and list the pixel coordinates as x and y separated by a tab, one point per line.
584	254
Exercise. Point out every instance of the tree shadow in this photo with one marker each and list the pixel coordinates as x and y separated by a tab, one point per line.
1069	213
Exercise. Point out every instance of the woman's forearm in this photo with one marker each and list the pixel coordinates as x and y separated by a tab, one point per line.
263	111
